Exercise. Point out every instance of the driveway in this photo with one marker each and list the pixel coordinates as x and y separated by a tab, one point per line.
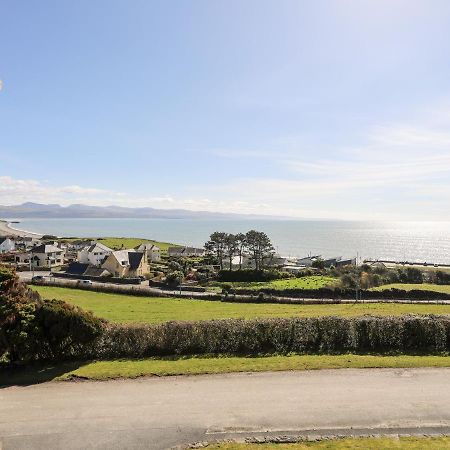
159	413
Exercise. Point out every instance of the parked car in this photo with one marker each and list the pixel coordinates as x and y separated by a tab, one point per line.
37	279
85	282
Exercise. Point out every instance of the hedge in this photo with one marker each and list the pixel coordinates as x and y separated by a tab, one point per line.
340	293
403	334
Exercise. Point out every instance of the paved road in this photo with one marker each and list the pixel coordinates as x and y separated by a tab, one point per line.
159	413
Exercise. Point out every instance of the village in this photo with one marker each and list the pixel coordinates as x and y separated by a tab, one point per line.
89	260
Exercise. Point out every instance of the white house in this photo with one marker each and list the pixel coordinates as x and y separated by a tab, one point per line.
42	256
94	254
179	252
153	252
6	245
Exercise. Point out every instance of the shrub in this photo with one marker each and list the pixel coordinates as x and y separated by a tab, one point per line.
32	328
174	278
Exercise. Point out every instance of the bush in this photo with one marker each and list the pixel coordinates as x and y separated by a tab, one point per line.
174	278
33	329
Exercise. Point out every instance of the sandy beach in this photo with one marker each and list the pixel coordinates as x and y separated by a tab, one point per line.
7	230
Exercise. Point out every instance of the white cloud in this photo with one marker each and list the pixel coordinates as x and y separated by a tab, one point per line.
400	172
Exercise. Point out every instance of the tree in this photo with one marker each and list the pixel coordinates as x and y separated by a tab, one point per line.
216	246
230	248
319	263
241	243
259	246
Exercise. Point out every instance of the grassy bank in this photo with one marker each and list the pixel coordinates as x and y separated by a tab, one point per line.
312	282
443	288
133	368
126	308
381	443
117	243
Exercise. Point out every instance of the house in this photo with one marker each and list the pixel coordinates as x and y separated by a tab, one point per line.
76	269
308	261
153	251
25	243
80	244
42	256
95	254
81	269
6	245
126	263
345	262
181	252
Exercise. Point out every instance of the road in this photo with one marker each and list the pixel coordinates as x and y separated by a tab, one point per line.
158	413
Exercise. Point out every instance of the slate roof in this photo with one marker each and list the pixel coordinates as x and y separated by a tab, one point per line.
185	250
122	256
45	248
146	246
98	246
96	271
77	268
135	259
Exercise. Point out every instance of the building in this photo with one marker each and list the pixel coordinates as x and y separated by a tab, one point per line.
42	256
126	263
95	254
185	252
308	261
6	245
77	269
153	251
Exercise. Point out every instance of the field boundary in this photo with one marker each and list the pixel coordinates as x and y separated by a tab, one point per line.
146	291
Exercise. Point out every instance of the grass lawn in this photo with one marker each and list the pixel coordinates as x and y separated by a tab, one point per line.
444	288
127	308
381	443
117	243
312	282
132	368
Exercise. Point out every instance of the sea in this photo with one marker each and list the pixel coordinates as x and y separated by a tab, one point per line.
397	241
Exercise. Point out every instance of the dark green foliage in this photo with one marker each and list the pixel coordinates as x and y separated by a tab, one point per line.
408	334
439	277
174	278
345	293
49	237
33	329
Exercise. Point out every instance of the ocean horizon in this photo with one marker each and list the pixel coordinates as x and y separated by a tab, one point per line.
398	241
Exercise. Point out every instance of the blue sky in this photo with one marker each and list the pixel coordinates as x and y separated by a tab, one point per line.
315	109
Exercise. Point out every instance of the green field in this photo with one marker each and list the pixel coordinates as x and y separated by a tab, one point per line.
312	282
117	243
127	308
444	288
133	368
374	443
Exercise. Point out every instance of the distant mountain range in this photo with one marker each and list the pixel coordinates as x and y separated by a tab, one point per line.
52	211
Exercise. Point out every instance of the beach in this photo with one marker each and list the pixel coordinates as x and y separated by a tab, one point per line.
7	230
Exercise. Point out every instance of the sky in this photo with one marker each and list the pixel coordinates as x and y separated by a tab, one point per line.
333	109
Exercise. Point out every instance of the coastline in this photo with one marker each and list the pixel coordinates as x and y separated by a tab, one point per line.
7	230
